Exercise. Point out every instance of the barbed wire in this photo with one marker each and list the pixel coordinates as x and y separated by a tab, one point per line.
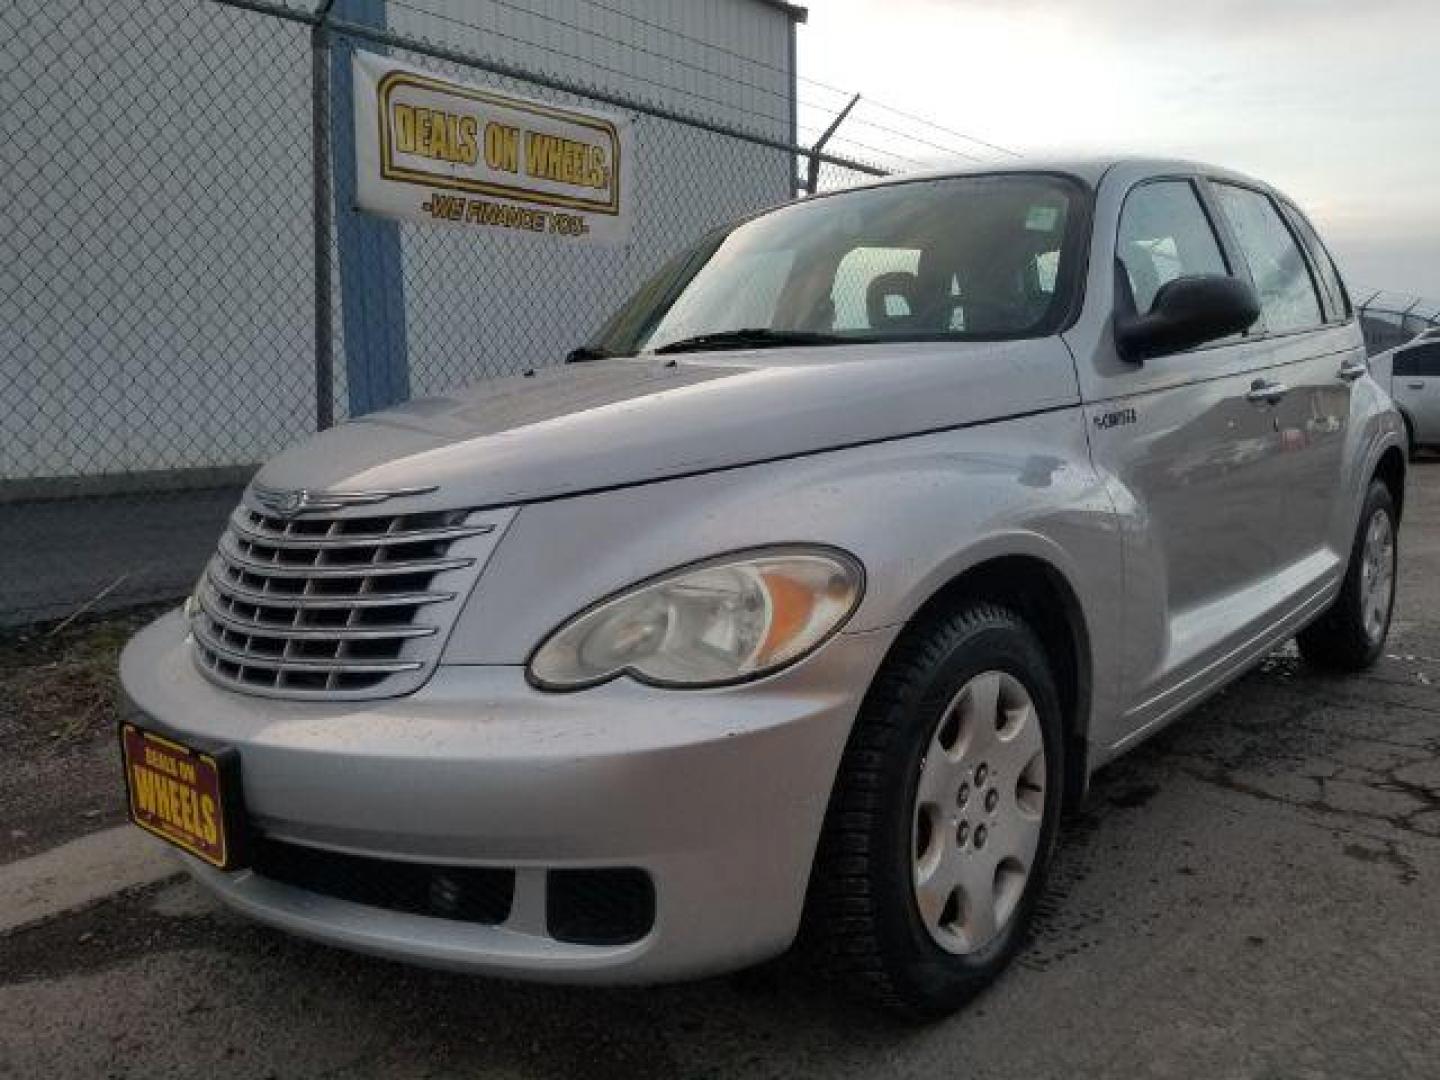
730	107
848	148
939	127
951	151
785	96
1391	319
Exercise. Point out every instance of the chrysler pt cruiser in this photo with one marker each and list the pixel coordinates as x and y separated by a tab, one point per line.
798	604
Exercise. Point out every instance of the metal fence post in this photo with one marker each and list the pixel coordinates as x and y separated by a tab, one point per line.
321	216
813	177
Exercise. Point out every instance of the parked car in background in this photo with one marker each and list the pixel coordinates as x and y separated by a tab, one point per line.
868	530
1411	373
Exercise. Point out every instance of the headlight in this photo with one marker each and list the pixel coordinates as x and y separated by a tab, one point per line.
724	621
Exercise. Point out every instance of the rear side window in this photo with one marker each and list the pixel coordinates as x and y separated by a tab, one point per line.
1164	234
1420	360
1337	302
1288	300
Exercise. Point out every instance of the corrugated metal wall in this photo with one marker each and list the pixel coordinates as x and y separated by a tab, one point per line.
726	60
495	304
154	236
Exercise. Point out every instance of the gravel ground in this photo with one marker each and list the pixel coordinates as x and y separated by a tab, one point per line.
58	697
1253	893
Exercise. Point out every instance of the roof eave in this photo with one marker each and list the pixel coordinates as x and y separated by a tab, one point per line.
795	12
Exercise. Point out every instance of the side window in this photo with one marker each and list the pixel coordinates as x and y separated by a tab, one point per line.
1287	294
1337	302
1419	361
1164	234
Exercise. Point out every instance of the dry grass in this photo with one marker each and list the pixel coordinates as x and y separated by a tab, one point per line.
59	688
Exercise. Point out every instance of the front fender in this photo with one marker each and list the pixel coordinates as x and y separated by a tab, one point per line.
917	512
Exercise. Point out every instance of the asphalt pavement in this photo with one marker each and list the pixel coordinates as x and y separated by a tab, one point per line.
101	553
1253	893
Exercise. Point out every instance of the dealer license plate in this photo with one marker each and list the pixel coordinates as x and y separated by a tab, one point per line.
184	796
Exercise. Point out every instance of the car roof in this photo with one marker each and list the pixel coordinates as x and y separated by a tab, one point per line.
1089	170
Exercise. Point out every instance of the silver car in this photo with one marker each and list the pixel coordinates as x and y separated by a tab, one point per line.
799	604
1411	372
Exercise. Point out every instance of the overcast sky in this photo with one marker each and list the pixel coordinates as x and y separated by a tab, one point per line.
1336	102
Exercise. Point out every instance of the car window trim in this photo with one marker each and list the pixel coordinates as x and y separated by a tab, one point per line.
1236	264
1234	253
1188	179
1315	287
1229	250
1330	304
1425	352
1347	313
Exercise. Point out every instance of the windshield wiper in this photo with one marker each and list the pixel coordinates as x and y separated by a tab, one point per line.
756	337
585	353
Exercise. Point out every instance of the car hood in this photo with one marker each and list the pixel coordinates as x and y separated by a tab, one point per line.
581	427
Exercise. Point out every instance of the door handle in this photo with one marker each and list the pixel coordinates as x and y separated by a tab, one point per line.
1266	393
1416	385
1353	370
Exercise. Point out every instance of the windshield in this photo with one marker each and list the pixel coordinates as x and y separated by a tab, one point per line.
980	257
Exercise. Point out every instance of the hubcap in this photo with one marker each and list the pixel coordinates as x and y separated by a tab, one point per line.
978	810
1377	574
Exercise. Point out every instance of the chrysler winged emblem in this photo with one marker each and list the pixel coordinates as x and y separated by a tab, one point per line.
291	502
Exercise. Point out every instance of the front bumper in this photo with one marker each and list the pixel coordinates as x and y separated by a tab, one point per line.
718	795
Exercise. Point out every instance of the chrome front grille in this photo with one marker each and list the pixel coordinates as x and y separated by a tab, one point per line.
336	605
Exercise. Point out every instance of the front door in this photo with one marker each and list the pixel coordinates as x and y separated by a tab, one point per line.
1193	452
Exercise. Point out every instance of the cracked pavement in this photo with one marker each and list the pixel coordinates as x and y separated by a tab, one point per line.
1253	893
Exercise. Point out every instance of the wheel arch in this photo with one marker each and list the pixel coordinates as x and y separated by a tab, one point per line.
1042	595
1407	425
1390	471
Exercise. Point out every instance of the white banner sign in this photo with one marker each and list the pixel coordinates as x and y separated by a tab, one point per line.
433	149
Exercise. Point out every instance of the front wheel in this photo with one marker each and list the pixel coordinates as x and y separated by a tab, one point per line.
1351	634
944	815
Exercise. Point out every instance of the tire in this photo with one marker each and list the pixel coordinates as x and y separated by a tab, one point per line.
864	909
1412	451
1351	634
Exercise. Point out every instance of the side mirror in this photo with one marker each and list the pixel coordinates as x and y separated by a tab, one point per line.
1187	311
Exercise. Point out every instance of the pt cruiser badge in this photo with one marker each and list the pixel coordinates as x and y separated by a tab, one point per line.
1107	420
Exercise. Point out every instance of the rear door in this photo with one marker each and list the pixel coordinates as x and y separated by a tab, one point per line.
1316	351
1415	385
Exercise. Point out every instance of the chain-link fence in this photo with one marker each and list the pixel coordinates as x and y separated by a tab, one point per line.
1390	319
186	287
